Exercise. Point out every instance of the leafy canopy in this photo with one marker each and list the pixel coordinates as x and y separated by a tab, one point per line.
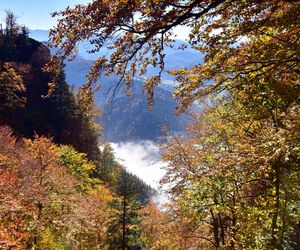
240	39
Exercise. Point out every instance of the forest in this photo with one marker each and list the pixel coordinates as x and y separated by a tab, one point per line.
232	179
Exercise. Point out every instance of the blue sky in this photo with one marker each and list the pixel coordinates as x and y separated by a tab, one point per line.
35	14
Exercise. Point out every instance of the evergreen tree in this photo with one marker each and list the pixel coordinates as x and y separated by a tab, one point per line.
125	229
28	106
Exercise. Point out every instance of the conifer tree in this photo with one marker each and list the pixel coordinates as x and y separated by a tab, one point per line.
125	229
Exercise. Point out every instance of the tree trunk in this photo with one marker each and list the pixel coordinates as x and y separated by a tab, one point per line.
275	240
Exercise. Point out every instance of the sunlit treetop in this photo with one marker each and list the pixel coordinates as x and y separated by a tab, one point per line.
237	37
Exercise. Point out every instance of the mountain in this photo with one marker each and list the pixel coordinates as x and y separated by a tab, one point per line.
83	47
175	57
128	118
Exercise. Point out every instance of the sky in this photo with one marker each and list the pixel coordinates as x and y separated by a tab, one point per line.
36	14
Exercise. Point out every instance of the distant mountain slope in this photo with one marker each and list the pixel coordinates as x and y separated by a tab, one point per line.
83	47
175	57
129	118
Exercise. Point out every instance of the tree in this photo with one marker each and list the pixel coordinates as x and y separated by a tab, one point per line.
160	231
240	39
109	169
11	86
12	28
41	206
68	117
251	69
36	188
125	228
234	180
79	166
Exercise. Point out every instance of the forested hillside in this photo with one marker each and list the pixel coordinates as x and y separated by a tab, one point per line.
28	108
233	181
234	184
58	190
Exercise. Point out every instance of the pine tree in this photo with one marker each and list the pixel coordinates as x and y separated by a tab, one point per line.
125	229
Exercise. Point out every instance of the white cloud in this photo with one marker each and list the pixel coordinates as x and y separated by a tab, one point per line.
142	159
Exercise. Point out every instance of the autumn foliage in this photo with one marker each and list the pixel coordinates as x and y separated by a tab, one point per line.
41	205
233	181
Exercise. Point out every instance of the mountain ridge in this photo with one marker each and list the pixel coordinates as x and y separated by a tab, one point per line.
128	118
